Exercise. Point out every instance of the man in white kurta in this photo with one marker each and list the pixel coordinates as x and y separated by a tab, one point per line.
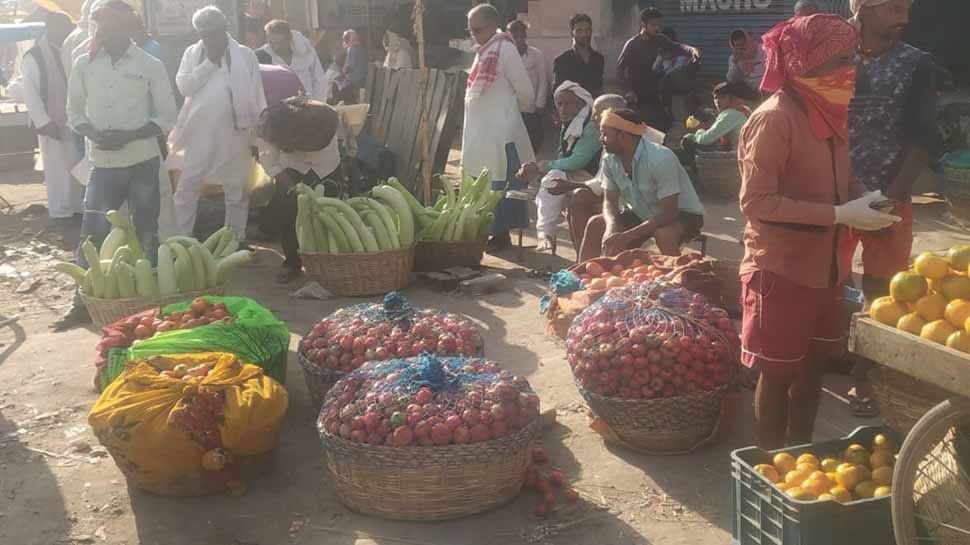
45	93
290	48
212	139
494	135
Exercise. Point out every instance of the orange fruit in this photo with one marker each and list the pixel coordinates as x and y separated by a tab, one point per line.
930	307
954	286
907	287
957	312
882	458
937	331
959	340
865	489
816	487
784	463
849	477
852	448
932	266
807	458
800	494
783	486
881	442
882	491
840	494
886	311
797	476
883	476
829	465
959	257
826	497
767	471
911	323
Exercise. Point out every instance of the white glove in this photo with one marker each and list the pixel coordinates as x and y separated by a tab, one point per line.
859	215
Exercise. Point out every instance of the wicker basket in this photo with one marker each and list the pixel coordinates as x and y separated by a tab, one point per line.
956	191
665	426
428	483
109	311
361	274
719	173
319	379
902	399
438	256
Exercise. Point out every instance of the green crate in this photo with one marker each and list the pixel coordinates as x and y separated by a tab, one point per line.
764	515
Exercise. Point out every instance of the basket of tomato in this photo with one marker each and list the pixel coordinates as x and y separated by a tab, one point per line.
428	438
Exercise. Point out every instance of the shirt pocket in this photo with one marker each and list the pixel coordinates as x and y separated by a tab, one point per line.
132	86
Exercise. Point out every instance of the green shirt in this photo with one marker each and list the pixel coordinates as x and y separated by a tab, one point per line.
126	95
657	174
584	151
728	123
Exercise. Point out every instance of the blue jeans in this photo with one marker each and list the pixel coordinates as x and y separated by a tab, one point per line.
108	189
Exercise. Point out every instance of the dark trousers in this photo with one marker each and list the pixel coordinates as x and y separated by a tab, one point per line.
281	214
679	81
533	125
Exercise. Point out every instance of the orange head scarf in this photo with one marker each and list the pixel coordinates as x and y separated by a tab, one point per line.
798	46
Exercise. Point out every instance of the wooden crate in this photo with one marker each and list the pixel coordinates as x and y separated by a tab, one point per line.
17	141
911	355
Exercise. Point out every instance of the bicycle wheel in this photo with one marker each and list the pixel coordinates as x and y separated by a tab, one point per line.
931	486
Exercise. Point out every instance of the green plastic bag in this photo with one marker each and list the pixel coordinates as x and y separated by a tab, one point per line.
255	337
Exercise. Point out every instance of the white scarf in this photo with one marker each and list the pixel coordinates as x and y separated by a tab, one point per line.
575	129
248	100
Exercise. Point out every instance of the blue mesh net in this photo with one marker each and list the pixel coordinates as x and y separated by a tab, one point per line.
439	400
561	283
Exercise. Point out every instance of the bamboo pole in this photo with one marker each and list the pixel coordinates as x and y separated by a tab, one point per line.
425	131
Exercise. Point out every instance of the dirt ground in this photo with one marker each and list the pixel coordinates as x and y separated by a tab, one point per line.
53	489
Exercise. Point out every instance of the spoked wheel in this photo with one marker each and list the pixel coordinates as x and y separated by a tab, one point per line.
931	483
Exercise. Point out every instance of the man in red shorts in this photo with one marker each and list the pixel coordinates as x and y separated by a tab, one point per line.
796	197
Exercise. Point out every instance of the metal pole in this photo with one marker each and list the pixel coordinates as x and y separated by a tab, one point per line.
418	16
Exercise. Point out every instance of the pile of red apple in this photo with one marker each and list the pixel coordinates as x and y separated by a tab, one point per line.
547	484
349	337
382	403
650	340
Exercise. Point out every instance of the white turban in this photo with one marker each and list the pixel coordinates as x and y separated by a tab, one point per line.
209	19
575	129
856	5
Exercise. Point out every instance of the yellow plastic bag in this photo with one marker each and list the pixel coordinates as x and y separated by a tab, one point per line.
173	437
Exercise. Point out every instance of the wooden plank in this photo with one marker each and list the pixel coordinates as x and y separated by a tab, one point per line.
919	358
441	113
405	127
451	122
374	90
435	88
387	106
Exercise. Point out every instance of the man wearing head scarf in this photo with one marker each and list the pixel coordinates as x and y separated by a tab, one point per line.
797	198
747	63
291	49
353	77
120	99
579	155
212	140
892	140
45	94
399	52
494	136
661	201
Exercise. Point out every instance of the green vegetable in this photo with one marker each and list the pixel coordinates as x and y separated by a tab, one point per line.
304	227
384	213
353	238
237	259
72	270
125	277
115	239
337	239
374	222
167	283
184	275
117	219
145	284
198	269
398	202
212	243
87	286
368	242
485	224
412	202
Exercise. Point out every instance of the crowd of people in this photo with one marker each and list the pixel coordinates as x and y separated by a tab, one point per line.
832	122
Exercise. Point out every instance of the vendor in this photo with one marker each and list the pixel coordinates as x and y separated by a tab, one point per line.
291	159
723	134
579	155
796	196
663	203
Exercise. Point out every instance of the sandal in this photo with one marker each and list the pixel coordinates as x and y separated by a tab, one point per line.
864	407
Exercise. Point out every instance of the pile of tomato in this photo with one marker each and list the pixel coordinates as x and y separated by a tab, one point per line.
597	277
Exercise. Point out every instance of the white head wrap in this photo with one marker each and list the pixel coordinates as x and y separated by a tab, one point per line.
575	129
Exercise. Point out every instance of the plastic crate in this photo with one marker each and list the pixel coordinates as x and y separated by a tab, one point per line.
764	515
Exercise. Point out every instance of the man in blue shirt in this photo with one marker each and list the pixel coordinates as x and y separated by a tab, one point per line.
661	200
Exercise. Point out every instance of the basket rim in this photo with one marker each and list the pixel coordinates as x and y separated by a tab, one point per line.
640	401
361	254
530	431
94	299
475	242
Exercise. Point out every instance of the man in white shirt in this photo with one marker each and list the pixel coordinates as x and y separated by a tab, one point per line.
290	48
45	93
212	140
535	65
120	99
292	159
494	135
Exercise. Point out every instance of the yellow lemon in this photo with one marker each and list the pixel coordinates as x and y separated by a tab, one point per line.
957	311
797	476
938	331
807	467
840	494
829	465
959	257
959	340
881	442
865	489
882	476
932	266
886	311
882	491
800	494
930	307
954	286
907	287
784	463
783	486
911	323
833	476
768	472
807	458
848	477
